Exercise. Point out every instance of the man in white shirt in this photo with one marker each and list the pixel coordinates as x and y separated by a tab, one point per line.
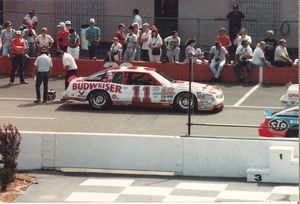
217	63
43	65
172	44
69	64
242	35
281	56
144	40
137	18
243	57
259	55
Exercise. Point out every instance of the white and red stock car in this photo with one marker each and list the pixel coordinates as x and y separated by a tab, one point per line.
142	86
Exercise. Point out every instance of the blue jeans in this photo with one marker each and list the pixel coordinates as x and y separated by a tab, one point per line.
137	56
17	64
217	67
237	68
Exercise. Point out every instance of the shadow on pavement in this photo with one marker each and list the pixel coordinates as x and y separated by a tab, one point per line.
81	107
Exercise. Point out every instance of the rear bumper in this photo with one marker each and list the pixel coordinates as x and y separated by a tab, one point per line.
266	132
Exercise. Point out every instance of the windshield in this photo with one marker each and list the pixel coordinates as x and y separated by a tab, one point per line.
97	76
165	76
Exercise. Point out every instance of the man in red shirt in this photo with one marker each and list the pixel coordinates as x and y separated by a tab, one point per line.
224	39
62	37
18	49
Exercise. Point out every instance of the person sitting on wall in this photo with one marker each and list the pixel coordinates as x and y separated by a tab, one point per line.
190	52
271	45
219	54
115	52
243	57
281	56
258	59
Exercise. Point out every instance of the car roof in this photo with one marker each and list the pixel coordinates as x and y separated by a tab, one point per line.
294	108
132	69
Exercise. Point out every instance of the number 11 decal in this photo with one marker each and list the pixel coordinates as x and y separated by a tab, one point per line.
136	95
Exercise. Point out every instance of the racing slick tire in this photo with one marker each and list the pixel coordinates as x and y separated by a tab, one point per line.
182	102
99	100
292	132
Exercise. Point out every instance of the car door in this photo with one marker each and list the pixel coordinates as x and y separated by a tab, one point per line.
141	89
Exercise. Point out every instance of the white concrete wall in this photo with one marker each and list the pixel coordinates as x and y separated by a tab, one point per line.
226	157
119	152
213	157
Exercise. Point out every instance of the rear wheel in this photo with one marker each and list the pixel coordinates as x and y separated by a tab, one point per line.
99	100
182	102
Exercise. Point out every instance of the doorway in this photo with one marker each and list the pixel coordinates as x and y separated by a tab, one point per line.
166	16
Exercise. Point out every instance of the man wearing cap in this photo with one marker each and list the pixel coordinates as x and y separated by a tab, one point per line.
92	35
68	25
30	18
42	67
29	35
69	64
235	21
219	54
62	37
18	49
271	44
144	40
115	52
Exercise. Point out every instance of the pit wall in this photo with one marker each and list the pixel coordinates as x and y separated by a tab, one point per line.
201	73
187	156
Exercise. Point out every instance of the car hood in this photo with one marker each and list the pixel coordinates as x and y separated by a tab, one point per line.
197	86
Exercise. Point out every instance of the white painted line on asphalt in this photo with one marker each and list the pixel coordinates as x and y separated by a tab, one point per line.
21	99
34	118
247	95
253	107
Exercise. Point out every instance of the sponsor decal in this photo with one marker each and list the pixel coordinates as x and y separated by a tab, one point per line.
293	95
90	86
278	125
114	97
81	93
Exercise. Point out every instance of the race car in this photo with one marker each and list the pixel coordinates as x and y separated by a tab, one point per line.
291	97
142	86
280	124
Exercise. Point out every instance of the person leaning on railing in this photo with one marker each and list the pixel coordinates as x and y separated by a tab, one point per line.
281	56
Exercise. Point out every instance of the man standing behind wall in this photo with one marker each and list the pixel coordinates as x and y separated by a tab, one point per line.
172	44
18	49
42	65
92	35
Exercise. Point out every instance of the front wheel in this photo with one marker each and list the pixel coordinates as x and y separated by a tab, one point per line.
99	100
182	102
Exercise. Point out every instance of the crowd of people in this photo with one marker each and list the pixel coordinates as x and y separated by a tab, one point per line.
142	43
